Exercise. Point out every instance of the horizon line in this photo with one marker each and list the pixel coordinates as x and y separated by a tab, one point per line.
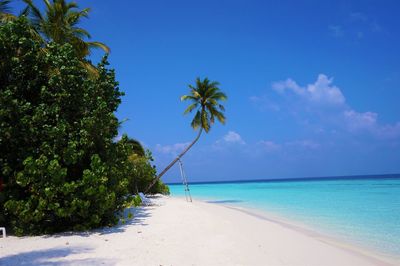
372	176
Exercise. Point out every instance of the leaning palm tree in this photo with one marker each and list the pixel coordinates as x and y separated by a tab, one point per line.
59	23
205	98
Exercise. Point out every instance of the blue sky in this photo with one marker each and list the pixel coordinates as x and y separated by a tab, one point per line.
313	86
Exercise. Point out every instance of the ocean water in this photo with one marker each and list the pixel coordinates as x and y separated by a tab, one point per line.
364	211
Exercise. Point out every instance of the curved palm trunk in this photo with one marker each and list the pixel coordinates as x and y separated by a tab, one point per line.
173	162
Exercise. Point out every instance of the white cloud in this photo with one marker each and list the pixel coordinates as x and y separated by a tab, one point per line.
233	137
360	121
368	121
389	131
269	146
289	84
173	149
307	104
320	92
228	141
306	144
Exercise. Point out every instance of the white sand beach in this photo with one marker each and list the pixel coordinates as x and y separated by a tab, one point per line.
176	232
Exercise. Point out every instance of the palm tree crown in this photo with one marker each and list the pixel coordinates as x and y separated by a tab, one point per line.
205	97
4	7
59	23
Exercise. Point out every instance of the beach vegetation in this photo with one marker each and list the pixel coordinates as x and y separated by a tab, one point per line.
60	166
59	23
137	148
5	11
143	172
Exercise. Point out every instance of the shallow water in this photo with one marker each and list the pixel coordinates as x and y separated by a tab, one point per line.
363	211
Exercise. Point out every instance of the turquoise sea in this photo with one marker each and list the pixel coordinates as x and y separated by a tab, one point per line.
361	210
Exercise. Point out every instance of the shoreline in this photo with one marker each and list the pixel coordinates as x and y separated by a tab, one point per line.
325	236
176	232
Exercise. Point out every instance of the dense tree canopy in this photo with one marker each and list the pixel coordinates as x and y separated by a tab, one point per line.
59	164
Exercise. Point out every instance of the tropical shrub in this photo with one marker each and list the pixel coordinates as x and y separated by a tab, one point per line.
59	166
142	172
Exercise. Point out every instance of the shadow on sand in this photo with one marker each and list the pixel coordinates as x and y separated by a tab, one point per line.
140	214
53	256
58	255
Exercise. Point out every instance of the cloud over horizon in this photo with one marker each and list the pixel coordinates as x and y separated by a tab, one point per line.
325	105
312	128
233	137
172	149
321	92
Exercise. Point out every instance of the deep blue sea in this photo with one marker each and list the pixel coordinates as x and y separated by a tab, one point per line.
362	210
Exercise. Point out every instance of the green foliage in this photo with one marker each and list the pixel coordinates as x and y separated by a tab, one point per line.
60	167
160	187
59	23
133	201
142	171
205	96
137	148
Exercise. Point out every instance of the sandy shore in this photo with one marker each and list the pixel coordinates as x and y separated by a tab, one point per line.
180	233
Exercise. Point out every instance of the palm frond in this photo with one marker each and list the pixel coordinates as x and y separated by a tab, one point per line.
24	12
58	22
73	18
214	112
72	5
33	9
188	97
205	121
91	69
219	96
5	17
196	93
211	101
196	122
205	95
79	32
190	108
210	91
214	84
36	16
49	5
99	45
5	7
